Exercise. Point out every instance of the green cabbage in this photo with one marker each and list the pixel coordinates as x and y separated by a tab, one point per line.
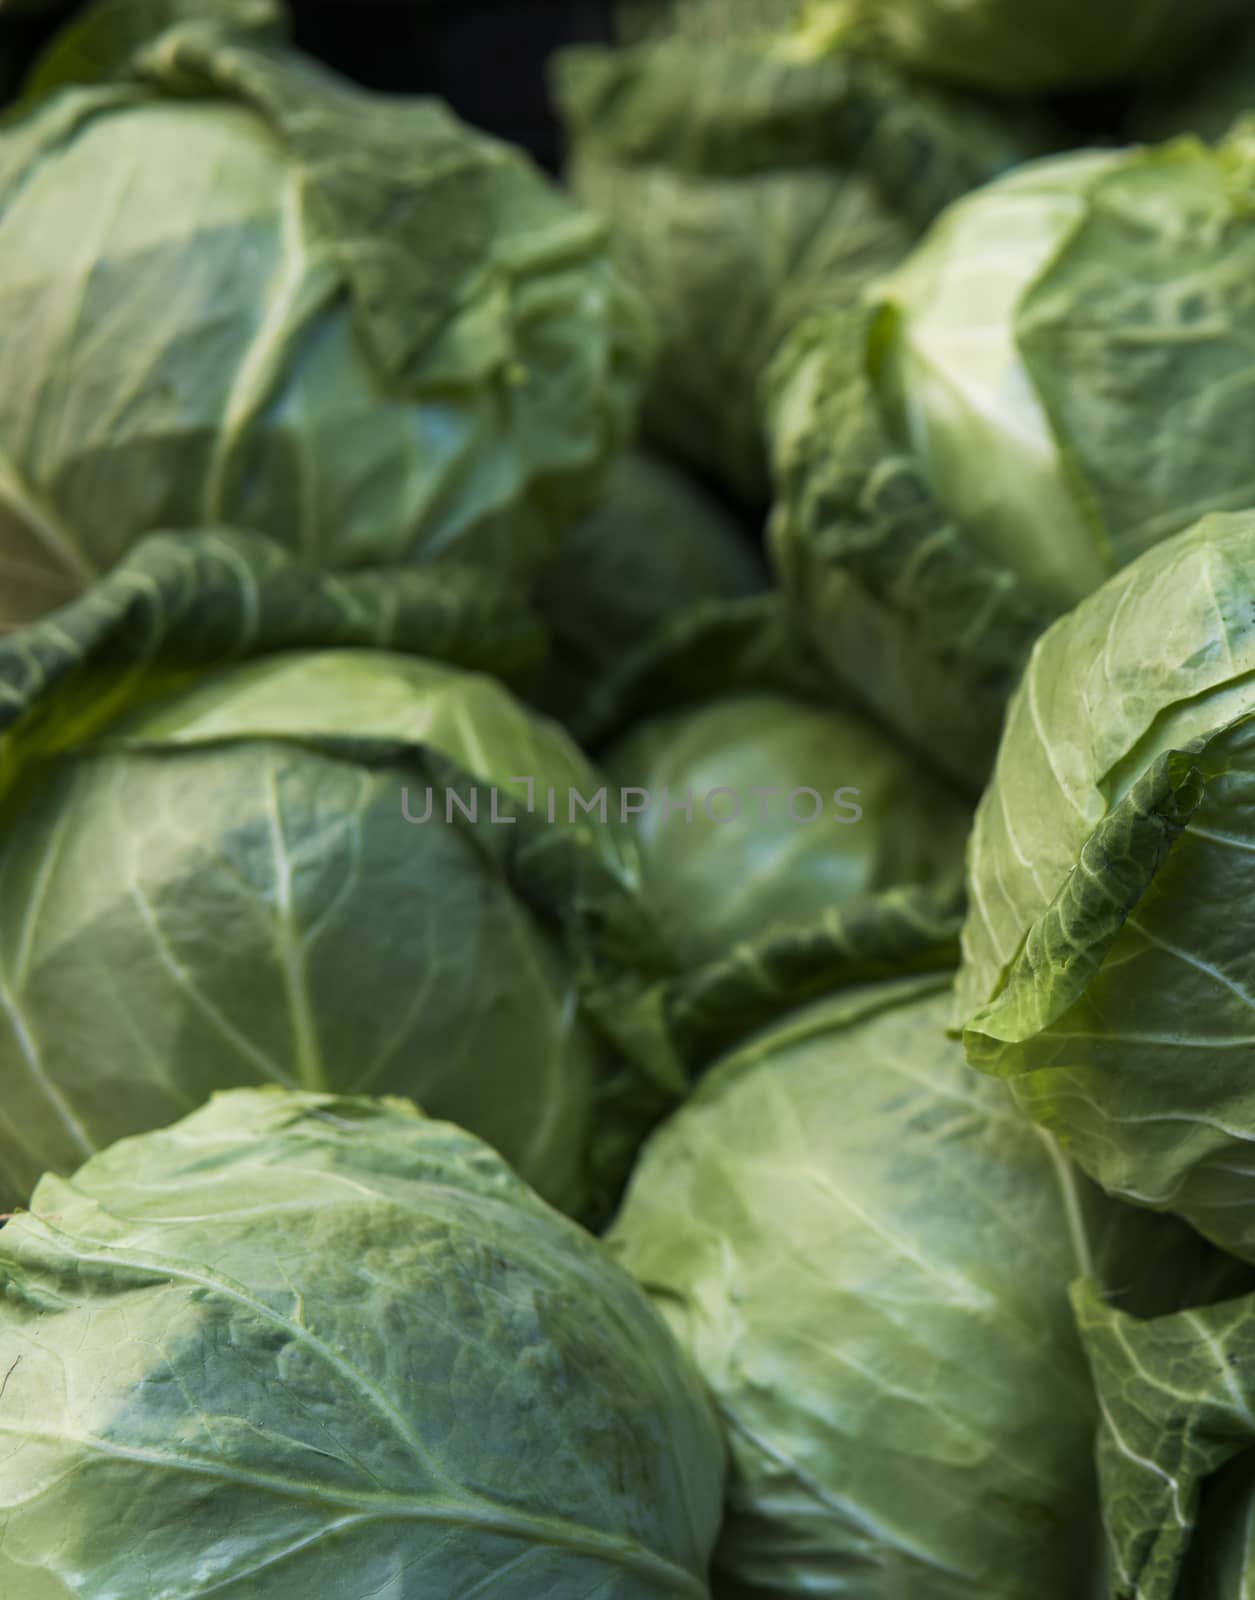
1107	969
832	856
305	1345
1055	381
234	288
214	866
867	1251
1018	350
748	184
1014	48
800	814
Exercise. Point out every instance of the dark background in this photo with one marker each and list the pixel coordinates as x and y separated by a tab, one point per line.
485	57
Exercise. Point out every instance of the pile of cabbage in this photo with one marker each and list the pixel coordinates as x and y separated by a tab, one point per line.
627	812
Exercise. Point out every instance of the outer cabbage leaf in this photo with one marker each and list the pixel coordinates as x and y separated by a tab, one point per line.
903	609
1106	969
216	874
867	1250
656	546
1176	1451
346	321
103	37
1012	49
181	604
299	1344
747	185
1017	351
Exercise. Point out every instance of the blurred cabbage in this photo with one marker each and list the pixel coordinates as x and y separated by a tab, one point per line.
747	182
866	1250
1053	382
1011	48
235	288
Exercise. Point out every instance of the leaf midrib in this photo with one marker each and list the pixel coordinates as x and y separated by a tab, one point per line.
458	1504
466	1510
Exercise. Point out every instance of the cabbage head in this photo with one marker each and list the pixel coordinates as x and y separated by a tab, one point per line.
748	184
237	289
273	855
799	813
1064	356
300	1344
788	844
1108	972
867	1251
1052	383
1012	48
